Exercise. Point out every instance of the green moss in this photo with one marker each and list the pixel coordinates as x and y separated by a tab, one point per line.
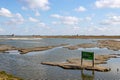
6	76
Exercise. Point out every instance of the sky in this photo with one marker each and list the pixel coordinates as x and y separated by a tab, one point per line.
60	17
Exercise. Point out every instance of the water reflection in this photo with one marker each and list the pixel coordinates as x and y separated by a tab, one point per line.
85	76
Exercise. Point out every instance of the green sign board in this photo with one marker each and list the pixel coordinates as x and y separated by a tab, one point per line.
88	55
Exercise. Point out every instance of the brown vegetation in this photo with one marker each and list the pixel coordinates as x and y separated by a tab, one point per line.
110	44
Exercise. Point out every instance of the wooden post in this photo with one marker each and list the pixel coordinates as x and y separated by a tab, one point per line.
93	60
81	59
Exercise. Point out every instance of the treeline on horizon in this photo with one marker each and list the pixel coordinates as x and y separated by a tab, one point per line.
63	36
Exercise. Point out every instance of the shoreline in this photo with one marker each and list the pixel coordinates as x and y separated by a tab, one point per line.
63	36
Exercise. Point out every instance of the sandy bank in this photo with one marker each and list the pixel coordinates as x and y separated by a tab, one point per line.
4	48
76	63
26	50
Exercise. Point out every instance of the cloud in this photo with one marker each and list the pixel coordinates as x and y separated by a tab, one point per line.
56	16
111	20
107	3
13	18
56	23
43	26
67	20
5	12
37	4
17	19
70	20
37	13
80	9
2	30
96	30
88	18
24	8
33	19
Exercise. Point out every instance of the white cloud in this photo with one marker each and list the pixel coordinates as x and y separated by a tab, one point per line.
76	28
111	20
67	20
33	19
2	30
109	30
13	18
37	13
41	24
80	9
56	16
37	4
5	12
107	3
17	19
24	8
55	23
70	20
88	18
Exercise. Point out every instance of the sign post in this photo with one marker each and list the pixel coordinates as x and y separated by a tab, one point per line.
87	56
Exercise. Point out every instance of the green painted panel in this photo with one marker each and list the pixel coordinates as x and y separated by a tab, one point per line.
88	55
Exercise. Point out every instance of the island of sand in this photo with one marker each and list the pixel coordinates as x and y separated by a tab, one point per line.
4	48
109	44
75	63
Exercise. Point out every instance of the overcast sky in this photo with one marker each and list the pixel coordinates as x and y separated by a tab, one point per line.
60	17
